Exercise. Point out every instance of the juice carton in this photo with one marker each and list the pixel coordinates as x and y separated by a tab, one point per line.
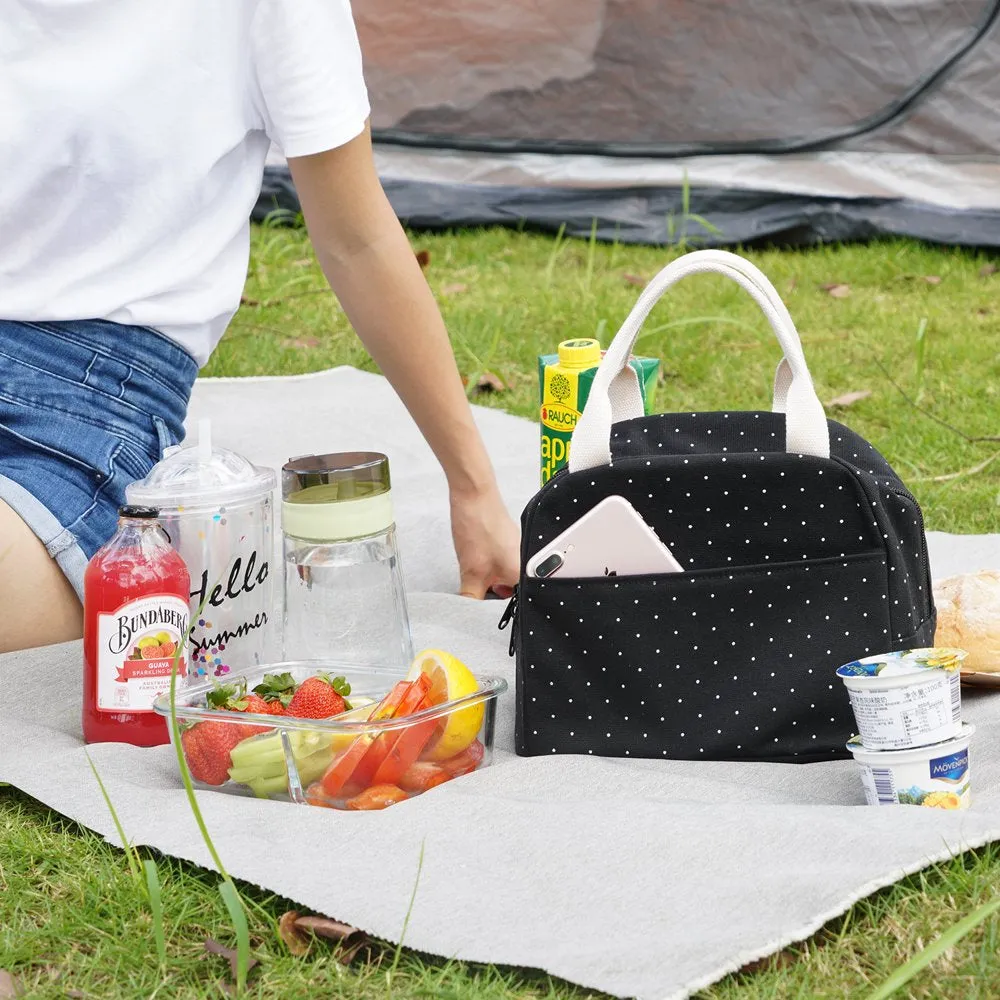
565	380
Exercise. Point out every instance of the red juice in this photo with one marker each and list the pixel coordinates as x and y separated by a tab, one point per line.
135	618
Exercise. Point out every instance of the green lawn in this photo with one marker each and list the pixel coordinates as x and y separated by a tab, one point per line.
70	919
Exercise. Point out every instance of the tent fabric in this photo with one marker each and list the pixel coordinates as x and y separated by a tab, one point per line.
839	119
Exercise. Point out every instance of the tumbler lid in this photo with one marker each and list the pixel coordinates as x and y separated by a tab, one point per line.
336	497
349	475
200	475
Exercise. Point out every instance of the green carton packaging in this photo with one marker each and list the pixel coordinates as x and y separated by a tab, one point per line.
564	381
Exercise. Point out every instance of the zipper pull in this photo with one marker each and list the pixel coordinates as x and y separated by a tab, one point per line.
509	617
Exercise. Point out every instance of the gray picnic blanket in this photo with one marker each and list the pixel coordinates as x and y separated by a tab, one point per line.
641	878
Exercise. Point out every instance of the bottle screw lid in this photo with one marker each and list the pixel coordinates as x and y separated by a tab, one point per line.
134	510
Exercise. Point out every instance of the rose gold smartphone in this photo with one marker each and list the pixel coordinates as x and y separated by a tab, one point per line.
611	539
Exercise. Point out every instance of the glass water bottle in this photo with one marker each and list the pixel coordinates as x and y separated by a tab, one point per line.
344	596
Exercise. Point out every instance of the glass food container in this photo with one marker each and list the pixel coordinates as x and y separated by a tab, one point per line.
217	510
380	761
343	582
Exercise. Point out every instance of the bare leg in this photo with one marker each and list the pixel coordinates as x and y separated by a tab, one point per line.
37	604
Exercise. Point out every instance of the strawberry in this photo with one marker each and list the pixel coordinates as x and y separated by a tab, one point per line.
319	697
255	704
277	690
223	695
233	697
207	746
377	797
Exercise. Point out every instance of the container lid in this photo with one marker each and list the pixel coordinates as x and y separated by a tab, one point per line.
580	353
854	744
906	661
324	479
200	475
336	497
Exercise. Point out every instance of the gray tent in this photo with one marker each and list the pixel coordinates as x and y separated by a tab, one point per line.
726	121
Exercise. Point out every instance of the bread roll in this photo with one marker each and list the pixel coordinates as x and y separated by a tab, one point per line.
968	616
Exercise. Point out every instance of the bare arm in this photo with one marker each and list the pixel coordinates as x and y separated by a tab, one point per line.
370	265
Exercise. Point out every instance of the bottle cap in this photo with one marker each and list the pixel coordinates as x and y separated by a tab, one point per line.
336	497
199	475
133	510
580	353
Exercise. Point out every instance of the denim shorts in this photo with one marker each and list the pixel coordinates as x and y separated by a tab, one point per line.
86	407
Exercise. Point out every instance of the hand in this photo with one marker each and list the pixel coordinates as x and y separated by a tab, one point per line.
487	543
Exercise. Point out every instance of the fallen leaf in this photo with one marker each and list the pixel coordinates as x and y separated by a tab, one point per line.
350	939
214	948
302	342
850	398
837	291
346	952
76	995
9	986
302	262
297	942
932	279
455	289
246	301
984	312
792	282
423	259
987	269
634	279
334	930
488	382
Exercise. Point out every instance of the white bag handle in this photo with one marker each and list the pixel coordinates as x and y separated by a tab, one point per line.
614	394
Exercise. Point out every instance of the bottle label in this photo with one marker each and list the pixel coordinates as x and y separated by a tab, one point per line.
136	646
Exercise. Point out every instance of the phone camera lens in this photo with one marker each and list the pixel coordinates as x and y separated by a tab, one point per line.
548	566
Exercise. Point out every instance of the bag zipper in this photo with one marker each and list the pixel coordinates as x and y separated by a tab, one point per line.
509	617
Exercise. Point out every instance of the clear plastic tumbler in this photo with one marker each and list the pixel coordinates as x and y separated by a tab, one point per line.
344	596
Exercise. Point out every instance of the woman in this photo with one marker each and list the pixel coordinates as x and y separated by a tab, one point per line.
134	143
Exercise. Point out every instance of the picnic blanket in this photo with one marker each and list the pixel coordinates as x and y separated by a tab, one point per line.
640	878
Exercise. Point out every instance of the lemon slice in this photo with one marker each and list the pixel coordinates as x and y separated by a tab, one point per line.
450	679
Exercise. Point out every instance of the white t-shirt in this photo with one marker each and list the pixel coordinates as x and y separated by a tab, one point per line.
132	142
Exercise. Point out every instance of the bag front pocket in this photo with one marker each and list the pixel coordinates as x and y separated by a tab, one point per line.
717	664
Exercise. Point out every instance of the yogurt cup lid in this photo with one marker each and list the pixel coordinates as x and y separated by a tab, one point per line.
854	743
199	475
906	661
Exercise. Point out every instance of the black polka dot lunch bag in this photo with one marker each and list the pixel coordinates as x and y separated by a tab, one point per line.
800	549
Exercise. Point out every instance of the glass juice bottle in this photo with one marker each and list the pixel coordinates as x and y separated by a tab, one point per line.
135	618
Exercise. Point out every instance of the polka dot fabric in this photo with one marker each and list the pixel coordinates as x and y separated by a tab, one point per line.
793	566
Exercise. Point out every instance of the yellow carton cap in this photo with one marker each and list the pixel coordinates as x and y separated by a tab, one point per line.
580	353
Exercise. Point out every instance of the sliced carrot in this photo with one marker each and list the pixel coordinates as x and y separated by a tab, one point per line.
377	797
468	760
356	767
423	775
315	796
405	750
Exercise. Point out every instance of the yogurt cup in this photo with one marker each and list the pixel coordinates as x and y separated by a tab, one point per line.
911	698
937	776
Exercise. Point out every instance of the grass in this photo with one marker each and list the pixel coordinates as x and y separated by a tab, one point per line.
71	918
507	295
